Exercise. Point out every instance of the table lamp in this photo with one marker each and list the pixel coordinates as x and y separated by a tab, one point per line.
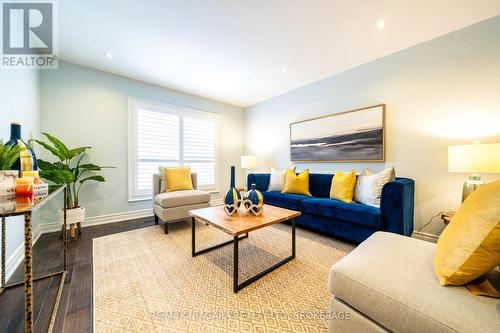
474	159
248	162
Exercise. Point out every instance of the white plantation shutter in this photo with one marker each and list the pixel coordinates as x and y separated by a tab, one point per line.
199	148
157	135
164	135
157	143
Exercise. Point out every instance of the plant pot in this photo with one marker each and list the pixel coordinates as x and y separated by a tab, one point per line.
8	182
74	215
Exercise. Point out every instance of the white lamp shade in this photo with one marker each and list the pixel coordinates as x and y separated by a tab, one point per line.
475	158
248	162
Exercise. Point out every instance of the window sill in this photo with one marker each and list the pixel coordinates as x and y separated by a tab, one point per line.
140	199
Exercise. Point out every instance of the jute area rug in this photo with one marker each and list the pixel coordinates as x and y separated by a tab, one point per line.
146	281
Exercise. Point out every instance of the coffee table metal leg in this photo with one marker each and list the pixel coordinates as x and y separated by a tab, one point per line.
193	247
235	263
238	286
235	241
194	253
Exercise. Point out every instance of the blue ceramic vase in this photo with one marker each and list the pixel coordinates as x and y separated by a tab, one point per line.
253	201
27	159
232	200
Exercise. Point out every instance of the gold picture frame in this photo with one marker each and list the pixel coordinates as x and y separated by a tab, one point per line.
366	139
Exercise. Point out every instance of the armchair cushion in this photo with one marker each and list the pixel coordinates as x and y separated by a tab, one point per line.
177	179
160	185
181	198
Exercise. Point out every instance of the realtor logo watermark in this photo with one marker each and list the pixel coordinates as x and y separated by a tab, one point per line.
28	34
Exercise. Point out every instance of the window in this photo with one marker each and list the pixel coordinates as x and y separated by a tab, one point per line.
167	135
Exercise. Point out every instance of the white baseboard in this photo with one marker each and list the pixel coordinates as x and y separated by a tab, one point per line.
102	219
110	218
118	217
13	261
16	258
425	236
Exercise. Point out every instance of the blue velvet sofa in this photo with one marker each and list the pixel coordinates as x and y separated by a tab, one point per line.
351	221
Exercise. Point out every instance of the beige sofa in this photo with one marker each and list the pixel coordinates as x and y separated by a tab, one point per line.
387	284
174	206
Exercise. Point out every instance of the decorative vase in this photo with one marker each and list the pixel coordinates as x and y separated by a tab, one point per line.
232	200
27	159
253	201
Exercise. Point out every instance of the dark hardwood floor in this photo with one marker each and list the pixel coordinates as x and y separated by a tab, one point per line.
75	309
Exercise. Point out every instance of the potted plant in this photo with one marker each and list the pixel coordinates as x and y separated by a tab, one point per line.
8	156
69	170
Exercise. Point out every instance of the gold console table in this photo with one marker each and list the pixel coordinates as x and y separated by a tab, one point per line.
26	206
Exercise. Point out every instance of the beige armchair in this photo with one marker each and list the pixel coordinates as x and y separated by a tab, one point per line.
174	206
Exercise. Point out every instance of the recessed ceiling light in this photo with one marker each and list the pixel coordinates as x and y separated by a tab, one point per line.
284	70
108	55
381	24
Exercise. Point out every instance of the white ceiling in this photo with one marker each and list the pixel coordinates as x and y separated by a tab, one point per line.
234	50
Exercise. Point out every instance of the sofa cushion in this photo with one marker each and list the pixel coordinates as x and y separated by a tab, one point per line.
181	198
390	278
470	244
290	201
320	184
350	212
297	183
343	186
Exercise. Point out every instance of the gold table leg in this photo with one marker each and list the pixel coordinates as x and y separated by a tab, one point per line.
56	305
65	269
3	254
28	274
65	243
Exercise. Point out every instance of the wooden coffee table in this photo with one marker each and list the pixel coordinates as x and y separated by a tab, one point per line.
238	227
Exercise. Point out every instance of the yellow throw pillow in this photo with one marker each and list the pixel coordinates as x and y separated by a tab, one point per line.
470	245
297	184
343	186
177	179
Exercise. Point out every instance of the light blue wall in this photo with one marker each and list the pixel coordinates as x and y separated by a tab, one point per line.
19	102
441	92
438	93
83	106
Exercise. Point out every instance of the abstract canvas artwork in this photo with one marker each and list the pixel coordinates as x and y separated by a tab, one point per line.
352	136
